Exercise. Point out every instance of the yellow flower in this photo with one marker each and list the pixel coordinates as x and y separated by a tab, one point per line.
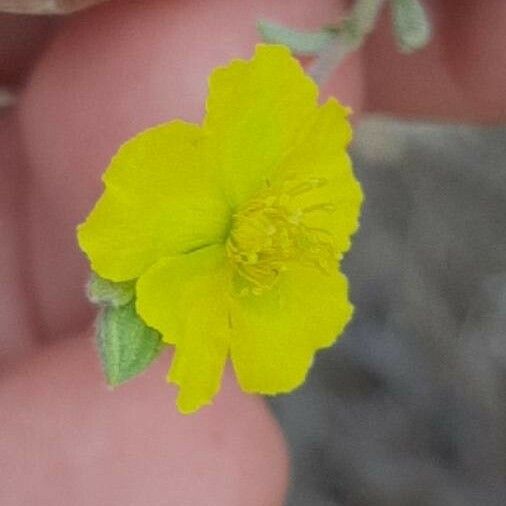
234	229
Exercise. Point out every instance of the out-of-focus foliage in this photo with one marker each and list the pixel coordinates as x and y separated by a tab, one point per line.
333	43
45	6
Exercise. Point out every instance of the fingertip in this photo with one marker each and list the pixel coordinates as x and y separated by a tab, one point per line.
76	442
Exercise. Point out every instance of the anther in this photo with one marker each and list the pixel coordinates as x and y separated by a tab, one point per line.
308	185
327	208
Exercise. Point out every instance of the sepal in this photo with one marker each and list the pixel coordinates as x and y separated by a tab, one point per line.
104	292
127	346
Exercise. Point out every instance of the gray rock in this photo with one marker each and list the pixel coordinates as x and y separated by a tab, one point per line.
409	408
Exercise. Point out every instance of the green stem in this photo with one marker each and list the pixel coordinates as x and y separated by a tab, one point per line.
351	34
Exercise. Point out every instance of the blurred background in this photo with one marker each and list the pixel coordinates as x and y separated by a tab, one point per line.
409	407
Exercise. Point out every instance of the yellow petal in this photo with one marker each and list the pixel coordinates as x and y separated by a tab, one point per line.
185	298
160	199
275	335
320	153
254	111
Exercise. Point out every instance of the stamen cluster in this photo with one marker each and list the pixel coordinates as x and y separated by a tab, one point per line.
269	233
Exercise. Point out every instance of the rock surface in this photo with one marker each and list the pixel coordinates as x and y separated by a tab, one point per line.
410	406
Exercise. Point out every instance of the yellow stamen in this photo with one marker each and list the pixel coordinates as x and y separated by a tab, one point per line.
269	233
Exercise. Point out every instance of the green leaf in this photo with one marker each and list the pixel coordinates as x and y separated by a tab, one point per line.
299	42
361	21
103	291
411	24
126	344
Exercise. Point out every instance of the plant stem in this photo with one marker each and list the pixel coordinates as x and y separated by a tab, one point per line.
351	34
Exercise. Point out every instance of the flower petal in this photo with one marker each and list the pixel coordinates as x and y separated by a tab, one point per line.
160	199
185	298
254	111
320	153
275	335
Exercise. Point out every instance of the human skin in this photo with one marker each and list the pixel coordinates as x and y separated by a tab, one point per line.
100	77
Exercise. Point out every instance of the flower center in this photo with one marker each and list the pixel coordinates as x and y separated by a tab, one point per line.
269	234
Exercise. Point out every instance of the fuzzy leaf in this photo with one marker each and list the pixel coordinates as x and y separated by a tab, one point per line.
411	24
126	344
